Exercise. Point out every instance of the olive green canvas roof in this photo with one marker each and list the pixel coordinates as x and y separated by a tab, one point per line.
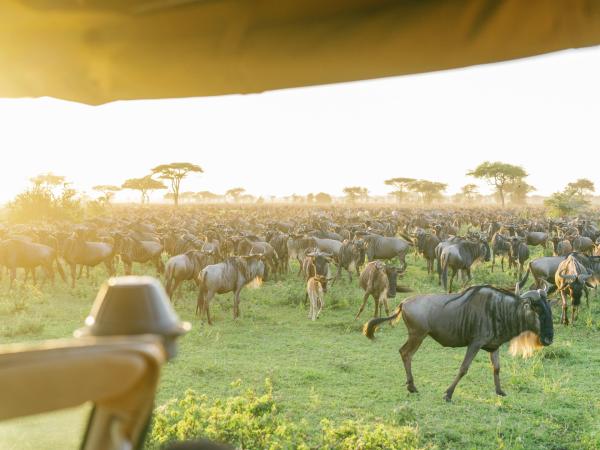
96	51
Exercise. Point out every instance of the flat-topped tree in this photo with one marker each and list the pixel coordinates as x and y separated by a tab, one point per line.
582	186
235	193
108	190
469	191
47	180
323	198
174	173
145	185
402	185
498	174
429	190
354	193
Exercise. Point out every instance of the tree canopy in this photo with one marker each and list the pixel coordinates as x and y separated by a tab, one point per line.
108	190
498	174
235	193
323	198
402	185
144	185
174	173
582	186
354	193
429	190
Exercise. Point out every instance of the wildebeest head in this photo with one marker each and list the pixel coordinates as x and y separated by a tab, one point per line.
575	285
255	267
538	314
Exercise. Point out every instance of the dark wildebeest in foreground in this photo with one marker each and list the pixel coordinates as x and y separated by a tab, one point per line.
461	257
184	267
380	281
229	276
481	317
16	253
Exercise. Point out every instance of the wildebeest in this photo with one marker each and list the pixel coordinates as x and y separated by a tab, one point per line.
571	276
543	269
185	267
350	258
426	244
583	244
384	247
461	256
518	254
536	238
133	250
316	263
481	317
561	246
229	276
314	291
500	246
380	281
297	246
16	253
77	250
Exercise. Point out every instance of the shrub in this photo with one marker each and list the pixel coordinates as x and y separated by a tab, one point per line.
253	421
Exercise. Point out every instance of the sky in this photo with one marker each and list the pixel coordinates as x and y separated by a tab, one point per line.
542	113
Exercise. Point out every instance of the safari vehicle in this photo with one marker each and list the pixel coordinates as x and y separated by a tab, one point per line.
98	51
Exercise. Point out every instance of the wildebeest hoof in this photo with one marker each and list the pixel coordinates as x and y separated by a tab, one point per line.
448	397
501	393
412	388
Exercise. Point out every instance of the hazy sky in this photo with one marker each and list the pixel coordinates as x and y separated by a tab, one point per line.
542	113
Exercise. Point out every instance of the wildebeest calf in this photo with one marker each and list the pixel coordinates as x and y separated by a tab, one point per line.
379	280
314	291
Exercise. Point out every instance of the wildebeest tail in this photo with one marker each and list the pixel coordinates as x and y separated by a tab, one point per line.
201	292
370	327
524	279
60	270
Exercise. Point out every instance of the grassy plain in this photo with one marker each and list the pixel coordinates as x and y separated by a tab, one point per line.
327	369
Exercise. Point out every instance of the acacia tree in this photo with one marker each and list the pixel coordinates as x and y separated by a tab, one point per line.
499	175
402	185
354	193
469	191
235	193
205	196
583	186
429	190
145	185
518	190
174	173
108	190
323	198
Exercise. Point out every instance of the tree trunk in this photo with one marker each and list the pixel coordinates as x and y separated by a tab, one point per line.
501	192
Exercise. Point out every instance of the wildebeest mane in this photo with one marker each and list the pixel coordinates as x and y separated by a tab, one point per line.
468	294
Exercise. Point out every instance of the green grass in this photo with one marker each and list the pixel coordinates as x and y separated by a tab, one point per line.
327	369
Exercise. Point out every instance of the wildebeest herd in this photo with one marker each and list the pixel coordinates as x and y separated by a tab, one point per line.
222	250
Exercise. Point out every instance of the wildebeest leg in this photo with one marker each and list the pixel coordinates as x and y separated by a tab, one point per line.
13	275
563	317
366	297
415	338
299	265
451	280
493	260
321	304
173	289
207	307
464	367
587	297
495	359
502	263
73	274
236	303
384	302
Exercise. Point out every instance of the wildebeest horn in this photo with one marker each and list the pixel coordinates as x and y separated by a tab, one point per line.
567	277
531	294
517	289
583	278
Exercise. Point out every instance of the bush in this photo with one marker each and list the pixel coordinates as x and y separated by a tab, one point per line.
253	421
